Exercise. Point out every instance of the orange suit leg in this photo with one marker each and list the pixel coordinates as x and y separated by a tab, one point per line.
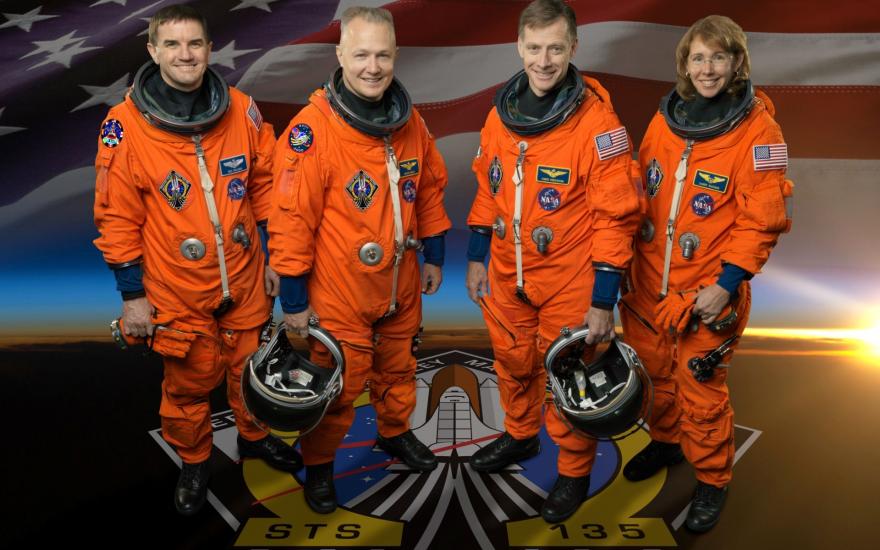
185	407
655	349
393	385
237	347
566	309
319	446
513	328
707	417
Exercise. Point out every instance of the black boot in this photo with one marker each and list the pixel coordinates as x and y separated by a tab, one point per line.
705	507
650	459
565	498
273	451
503	451
409	449
319	489
192	488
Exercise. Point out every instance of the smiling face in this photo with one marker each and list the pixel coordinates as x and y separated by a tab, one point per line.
546	53
710	68
181	51
366	52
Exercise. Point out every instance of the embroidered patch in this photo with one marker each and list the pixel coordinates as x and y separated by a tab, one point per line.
300	138
549	199
233	165
409	167
361	189
495	175
713	182
409	191
702	204
235	189
111	133
770	157
175	189
255	115
654	177
552	174
610	144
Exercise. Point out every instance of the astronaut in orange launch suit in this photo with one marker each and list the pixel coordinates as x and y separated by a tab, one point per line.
556	204
359	189
714	162
183	180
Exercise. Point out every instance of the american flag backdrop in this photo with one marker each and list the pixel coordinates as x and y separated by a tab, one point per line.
65	63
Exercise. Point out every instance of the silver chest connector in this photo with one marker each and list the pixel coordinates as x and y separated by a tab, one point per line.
192	249
646	231
240	236
542	237
412	243
499	227
371	254
688	242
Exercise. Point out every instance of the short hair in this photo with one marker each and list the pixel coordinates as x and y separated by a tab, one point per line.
173	13
370	15
712	29
542	13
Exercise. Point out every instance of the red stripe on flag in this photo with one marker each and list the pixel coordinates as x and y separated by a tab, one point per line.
817	121
496	22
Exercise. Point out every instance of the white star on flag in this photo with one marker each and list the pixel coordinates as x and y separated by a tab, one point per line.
25	20
262	4
108	95
64	56
142	10
53	46
147	28
8	129
226	56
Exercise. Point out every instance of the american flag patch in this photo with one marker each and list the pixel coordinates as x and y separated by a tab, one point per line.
770	157
610	144
255	115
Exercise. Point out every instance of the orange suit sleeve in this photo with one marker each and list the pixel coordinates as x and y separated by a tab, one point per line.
297	204
119	210
430	212
482	211
613	199
260	178
761	197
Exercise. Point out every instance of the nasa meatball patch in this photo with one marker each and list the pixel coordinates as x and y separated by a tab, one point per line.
702	204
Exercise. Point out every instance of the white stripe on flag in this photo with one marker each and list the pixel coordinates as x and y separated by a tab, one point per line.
288	74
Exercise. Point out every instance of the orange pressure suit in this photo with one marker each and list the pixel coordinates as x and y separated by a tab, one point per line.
592	208
150	207
332	214
735	208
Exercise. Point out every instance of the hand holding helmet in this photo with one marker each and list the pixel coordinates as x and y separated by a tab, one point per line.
284	389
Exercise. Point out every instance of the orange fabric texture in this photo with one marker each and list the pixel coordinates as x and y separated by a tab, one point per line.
696	414
388	369
520	336
185	407
592	208
737	213
593	215
148	200
332	196
320	218
136	220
